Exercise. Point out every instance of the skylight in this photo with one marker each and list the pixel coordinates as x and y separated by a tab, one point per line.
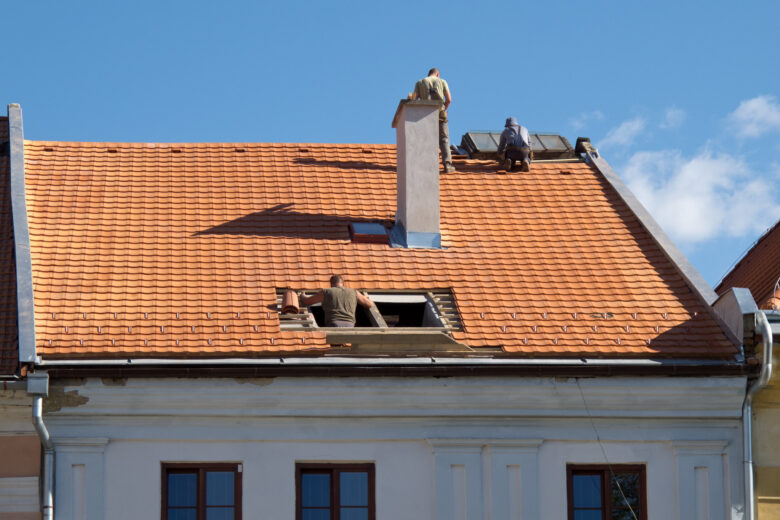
368	233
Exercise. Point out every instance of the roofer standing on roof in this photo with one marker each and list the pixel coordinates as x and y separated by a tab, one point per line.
515	144
338	302
434	88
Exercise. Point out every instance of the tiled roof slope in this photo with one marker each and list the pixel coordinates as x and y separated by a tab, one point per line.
177	249
759	269
9	345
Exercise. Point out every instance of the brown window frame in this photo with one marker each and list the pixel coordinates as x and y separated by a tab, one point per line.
334	470
200	469
606	471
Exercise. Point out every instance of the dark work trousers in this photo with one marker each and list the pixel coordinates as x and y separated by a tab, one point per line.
518	153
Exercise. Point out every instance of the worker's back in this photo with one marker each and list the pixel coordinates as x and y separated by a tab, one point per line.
431	88
339	304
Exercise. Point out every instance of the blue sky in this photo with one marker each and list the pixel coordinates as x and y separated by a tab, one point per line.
682	98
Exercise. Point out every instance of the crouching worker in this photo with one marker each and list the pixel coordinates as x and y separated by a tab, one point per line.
514	145
338	302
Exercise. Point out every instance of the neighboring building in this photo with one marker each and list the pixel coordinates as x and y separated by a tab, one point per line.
759	272
540	351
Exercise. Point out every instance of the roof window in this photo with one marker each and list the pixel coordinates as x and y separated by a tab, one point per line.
368	233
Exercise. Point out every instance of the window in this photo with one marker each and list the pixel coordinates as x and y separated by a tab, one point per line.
334	492
614	492
201	492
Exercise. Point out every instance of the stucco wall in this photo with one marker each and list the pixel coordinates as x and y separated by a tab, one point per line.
476	448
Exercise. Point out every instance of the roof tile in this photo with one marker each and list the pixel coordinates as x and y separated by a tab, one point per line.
144	252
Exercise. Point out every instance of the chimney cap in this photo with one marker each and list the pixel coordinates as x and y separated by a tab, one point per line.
424	102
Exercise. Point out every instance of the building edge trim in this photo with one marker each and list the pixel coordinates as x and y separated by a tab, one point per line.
689	273
24	284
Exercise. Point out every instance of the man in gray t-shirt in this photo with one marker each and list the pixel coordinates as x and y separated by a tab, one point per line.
338	302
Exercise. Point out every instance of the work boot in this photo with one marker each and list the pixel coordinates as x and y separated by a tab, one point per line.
525	166
449	168
508	163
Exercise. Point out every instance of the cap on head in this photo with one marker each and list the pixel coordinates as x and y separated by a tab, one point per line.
510	121
336	280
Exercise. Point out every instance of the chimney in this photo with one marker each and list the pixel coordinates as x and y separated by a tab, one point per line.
416	126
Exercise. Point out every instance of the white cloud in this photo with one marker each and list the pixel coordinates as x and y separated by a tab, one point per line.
701	198
624	134
756	116
579	122
673	118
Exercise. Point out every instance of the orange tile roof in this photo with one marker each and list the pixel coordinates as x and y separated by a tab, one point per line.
9	345
759	269
176	250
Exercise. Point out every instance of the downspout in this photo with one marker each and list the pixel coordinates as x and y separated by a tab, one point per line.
38	387
747	411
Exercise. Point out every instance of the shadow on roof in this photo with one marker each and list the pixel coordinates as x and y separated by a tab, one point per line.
346	165
282	221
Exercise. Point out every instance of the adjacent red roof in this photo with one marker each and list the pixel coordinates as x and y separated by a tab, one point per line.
9	345
174	250
759	269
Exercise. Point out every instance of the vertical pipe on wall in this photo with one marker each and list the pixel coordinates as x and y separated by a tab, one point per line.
47	506
747	411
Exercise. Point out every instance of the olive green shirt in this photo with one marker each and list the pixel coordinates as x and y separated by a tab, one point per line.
339	303
432	88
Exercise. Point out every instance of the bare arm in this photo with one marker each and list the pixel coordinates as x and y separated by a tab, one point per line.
447	98
314	298
364	300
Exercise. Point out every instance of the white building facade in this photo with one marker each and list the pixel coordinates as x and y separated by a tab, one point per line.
485	448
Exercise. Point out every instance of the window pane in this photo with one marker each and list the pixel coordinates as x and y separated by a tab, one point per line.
587	490
354	488
315	490
629	484
587	515
625	514
182	489
182	514
316	514
354	513
219	488
219	513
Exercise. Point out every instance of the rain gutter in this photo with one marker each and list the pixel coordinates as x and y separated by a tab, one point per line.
345	366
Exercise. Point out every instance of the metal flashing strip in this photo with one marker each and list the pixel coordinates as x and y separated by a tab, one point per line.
24	284
689	273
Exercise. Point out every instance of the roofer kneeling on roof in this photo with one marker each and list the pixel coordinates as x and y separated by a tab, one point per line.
338	302
515	145
434	88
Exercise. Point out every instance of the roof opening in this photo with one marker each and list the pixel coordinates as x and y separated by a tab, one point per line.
434	309
368	233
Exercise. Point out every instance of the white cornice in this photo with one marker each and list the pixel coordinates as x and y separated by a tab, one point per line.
719	397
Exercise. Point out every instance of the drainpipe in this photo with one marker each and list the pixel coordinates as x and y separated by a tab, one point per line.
38	387
747	410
